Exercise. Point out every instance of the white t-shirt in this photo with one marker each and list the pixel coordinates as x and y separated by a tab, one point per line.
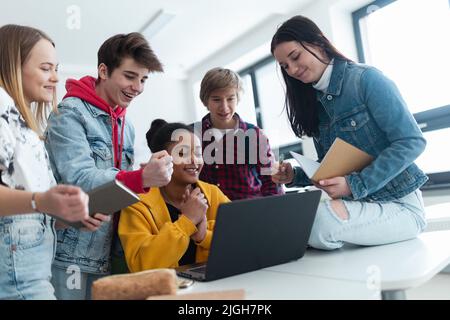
24	162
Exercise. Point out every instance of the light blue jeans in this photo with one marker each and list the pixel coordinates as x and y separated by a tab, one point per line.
71	284
369	223
27	248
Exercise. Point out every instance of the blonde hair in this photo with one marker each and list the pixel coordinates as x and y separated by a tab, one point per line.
219	78
16	43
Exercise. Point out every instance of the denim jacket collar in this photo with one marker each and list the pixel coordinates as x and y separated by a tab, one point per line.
94	110
98	112
337	77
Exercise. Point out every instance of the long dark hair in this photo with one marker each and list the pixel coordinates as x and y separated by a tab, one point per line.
159	136
301	101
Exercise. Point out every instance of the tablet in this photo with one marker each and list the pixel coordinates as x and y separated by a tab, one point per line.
111	197
107	199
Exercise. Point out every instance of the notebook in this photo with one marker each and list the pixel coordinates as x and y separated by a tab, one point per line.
341	159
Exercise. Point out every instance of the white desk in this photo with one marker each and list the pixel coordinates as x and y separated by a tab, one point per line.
392	268
438	217
272	285
353	272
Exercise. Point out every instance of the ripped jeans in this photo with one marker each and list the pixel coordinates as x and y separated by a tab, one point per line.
368	223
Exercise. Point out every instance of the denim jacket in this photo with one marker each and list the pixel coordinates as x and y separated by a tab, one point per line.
79	144
365	108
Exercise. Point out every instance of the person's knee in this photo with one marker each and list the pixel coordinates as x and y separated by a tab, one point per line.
320	237
339	209
318	241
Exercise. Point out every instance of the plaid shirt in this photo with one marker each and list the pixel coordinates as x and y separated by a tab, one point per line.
238	176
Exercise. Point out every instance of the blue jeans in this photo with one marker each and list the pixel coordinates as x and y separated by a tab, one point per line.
27	248
369	223
72	284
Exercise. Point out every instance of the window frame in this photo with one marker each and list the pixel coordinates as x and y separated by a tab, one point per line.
251	71
429	120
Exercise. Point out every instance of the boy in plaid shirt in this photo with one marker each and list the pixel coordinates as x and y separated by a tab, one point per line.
237	154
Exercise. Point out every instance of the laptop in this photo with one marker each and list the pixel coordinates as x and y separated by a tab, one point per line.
257	233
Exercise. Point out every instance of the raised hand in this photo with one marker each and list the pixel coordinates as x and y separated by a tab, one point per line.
158	171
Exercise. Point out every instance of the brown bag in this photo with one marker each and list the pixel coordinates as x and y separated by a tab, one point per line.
135	286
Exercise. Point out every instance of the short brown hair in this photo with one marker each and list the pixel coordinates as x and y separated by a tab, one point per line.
219	78
133	45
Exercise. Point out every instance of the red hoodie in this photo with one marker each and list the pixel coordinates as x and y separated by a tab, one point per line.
85	90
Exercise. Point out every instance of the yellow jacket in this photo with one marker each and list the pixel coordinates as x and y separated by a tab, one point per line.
151	240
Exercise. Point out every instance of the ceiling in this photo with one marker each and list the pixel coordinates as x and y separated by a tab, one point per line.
199	29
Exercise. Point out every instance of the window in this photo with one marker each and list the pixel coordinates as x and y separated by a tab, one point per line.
408	41
246	106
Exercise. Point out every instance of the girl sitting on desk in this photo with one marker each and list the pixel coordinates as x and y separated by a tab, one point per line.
172	225
330	96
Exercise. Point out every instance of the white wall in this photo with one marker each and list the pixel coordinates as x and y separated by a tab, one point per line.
164	97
